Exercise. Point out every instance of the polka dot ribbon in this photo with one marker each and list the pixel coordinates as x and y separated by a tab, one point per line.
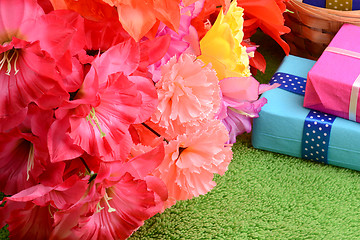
316	136
343	5
317	125
289	82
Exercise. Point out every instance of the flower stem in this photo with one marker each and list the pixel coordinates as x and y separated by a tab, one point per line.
154	132
86	166
92	174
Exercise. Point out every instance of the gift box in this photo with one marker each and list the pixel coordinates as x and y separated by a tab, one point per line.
344	5
334	81
285	126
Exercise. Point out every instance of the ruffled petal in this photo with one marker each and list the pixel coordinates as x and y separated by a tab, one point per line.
192	158
269	18
104	132
126	205
36	75
123	57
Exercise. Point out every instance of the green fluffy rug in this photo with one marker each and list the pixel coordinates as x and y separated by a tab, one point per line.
265	195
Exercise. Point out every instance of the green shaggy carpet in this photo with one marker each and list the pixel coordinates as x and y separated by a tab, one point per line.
265	195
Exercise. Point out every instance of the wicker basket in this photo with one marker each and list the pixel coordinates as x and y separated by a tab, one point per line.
312	28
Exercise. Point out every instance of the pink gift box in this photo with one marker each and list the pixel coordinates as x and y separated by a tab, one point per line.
334	81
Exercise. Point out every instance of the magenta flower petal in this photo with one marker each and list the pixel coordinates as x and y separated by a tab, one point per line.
240	115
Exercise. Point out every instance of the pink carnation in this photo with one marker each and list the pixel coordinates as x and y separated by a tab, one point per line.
187	91
192	159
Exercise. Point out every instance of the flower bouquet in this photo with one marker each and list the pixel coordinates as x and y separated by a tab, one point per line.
111	110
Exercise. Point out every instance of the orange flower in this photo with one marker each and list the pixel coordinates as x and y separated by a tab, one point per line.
95	10
139	17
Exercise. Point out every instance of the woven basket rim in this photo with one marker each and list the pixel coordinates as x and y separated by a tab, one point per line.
312	27
324	13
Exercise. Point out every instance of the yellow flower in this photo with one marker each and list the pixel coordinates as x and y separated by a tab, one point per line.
221	45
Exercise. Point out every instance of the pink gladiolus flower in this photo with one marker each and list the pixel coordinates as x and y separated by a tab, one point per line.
188	91
240	103
61	196
185	39
192	159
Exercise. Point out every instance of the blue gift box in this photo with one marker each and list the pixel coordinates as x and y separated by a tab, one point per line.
285	126
346	5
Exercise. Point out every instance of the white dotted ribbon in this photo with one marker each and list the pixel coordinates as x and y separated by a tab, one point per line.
289	82
343	5
316	136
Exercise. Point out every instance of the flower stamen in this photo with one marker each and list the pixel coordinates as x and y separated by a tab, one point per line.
3	60
15	61
51	214
242	112
99	207
30	162
8	56
95	121
106	198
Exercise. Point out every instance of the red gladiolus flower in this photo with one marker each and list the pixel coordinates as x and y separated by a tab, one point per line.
22	218
98	118
34	50
209	12
24	158
117	202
